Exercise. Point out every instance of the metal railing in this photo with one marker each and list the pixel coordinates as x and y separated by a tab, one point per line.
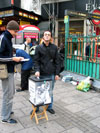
83	55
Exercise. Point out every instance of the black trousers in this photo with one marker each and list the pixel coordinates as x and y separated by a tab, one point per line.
25	74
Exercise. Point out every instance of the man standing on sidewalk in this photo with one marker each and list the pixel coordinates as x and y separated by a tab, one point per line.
46	62
6	51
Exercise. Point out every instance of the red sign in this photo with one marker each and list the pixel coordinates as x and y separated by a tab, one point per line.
97	22
18	36
12	2
30	35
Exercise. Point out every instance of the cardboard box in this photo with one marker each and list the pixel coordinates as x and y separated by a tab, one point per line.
40	90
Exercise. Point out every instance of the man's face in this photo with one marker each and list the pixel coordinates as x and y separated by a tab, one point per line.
14	32
47	36
29	40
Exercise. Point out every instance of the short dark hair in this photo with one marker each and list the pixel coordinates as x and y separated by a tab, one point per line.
12	25
47	31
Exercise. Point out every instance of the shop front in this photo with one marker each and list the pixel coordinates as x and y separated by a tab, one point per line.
19	15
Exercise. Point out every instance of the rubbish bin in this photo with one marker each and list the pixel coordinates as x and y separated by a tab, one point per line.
40	90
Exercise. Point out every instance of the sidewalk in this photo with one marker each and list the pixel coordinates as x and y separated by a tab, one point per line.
76	112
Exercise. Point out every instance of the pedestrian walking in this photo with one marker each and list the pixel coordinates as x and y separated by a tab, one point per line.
27	45
8	88
46	62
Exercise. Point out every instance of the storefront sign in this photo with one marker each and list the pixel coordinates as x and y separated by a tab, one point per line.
6	13
24	22
30	35
23	14
0	22
95	16
73	13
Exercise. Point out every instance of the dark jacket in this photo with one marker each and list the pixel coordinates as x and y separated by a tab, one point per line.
46	59
6	50
26	65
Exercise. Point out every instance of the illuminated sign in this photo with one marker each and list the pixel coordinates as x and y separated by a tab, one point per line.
30	35
36	18
72	13
0	22
28	16
95	21
24	22
20	14
25	15
6	13
95	16
31	16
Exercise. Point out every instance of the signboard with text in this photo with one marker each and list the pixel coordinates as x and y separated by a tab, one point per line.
6	13
30	35
97	22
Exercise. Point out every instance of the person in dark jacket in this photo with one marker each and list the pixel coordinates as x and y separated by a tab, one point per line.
25	69
46	62
6	51
88	51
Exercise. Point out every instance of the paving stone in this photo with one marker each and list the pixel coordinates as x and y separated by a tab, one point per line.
80	126
74	108
96	122
54	116
95	100
86	104
29	130
18	113
69	100
9	128
87	117
50	127
65	122
18	105
27	103
26	110
93	111
19	98
27	122
74	130
76	112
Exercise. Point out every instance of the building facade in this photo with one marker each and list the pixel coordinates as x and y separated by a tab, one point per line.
55	10
11	10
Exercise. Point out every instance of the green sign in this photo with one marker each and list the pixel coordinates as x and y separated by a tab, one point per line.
66	19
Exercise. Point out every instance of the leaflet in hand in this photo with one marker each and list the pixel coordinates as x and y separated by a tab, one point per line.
25	60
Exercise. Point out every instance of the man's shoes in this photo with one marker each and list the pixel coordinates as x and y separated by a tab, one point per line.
19	90
10	121
51	111
32	111
12	113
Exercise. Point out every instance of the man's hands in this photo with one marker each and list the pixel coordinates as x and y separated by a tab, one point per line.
17	59
57	77
37	74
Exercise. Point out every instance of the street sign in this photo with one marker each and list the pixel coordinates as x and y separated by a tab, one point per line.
66	19
97	22
81	14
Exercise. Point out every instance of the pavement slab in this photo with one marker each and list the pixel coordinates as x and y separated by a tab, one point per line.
76	111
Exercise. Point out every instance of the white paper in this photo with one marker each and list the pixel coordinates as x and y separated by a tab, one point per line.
25	60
